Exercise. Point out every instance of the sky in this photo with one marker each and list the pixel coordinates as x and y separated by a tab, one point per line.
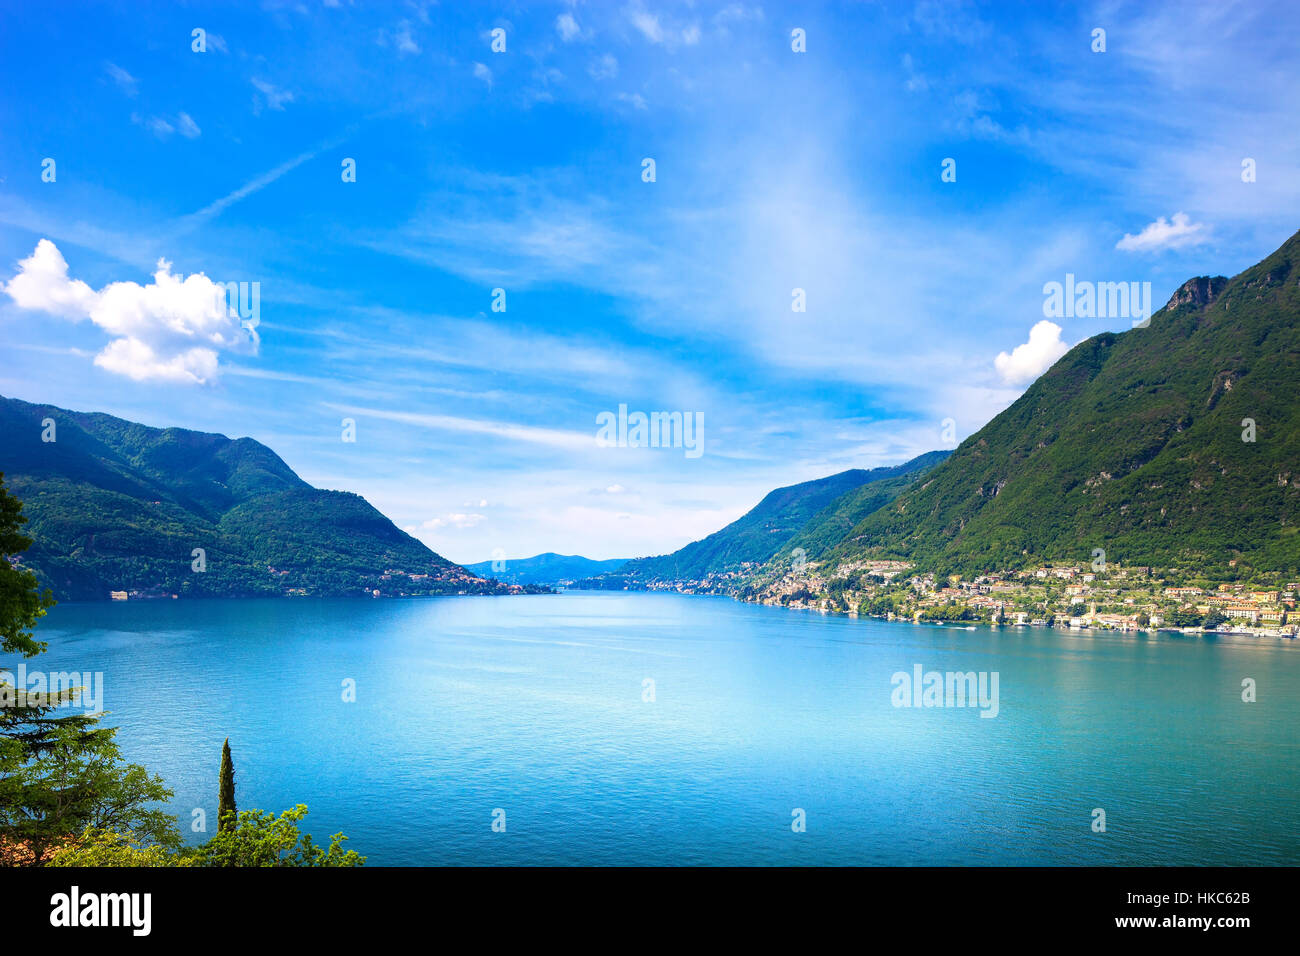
912	175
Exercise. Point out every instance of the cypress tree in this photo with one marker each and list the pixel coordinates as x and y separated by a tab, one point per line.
226	813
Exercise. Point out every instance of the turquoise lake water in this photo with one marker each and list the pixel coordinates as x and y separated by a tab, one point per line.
535	706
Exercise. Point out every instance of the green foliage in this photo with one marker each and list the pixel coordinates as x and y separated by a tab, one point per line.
22	602
109	848
68	799
116	506
1133	443
256	838
227	813
62	776
262	839
833	523
59	775
776	524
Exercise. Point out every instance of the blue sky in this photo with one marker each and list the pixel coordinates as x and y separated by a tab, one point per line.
522	170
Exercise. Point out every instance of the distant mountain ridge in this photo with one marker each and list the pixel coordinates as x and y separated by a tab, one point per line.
807	512
547	568
118	506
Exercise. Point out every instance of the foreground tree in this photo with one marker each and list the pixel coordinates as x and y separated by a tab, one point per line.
22	602
262	839
227	815
59	775
255	839
66	796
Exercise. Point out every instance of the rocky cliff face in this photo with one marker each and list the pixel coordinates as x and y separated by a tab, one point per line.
1200	291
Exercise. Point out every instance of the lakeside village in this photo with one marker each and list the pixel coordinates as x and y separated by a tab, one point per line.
394	583
1118	598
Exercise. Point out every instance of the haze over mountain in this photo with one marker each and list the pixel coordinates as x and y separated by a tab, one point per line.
118	506
809	514
548	568
1170	444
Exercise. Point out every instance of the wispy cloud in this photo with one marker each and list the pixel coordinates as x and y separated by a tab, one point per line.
218	206
127	83
188	128
269	95
567	27
506	431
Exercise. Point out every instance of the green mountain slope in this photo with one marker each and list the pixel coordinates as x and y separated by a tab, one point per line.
117	506
829	526
1131	443
548	568
761	532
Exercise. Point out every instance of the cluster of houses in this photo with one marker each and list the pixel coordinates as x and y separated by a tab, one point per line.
1130	598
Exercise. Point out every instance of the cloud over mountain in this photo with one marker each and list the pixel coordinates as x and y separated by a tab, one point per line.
1031	359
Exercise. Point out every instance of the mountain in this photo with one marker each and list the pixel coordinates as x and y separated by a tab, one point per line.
816	507
548	568
1174	445
118	506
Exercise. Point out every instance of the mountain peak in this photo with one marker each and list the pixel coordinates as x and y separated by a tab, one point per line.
1199	291
116	506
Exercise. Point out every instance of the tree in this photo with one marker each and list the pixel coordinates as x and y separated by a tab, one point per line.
262	839
1213	619
227	815
59	776
22	602
107	848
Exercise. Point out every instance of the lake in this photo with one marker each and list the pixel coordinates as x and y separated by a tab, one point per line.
632	728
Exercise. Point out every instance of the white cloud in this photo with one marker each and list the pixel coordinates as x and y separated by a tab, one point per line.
154	124
452	521
400	38
649	26
125	81
507	431
1175	233
42	283
272	96
1030	360
656	32
916	81
567	27
606	68
170	330
483	73
189	129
